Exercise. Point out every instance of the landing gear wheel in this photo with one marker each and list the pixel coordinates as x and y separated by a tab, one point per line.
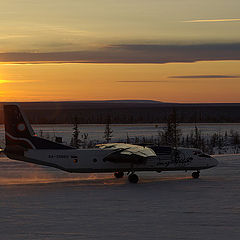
133	178
118	174
195	174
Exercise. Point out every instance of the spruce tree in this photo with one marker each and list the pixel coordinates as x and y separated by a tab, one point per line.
75	141
108	131
172	133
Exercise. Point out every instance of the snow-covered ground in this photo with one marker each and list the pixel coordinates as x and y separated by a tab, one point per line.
43	203
121	131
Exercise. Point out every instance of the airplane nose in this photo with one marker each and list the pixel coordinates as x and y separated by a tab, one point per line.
213	162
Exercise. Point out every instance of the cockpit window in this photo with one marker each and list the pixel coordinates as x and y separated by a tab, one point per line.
197	152
201	154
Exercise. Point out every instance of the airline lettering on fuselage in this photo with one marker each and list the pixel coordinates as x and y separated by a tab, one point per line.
179	158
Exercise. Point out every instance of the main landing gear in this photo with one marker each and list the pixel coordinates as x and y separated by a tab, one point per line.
195	174
133	178
118	174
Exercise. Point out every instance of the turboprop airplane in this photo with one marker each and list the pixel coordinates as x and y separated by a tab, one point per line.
22	144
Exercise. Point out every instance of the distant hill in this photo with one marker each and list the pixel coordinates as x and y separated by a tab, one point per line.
127	111
83	104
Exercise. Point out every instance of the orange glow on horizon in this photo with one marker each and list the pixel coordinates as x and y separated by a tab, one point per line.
76	82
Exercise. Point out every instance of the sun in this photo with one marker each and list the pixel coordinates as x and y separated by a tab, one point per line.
3	81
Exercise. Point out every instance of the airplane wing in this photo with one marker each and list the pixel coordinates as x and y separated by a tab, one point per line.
127	153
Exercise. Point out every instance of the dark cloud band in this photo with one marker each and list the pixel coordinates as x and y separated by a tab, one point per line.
139	81
133	53
204	76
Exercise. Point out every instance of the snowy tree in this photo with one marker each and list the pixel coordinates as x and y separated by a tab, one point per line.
85	140
235	138
187	143
41	133
136	140
108	132
197	138
226	138
213	140
172	133
128	139
220	141
75	142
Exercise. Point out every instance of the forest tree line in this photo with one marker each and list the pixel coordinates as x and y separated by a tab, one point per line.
170	135
132	113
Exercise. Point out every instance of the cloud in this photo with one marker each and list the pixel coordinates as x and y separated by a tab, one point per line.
213	20
205	76
17	81
132	53
12	36
183	78
144	81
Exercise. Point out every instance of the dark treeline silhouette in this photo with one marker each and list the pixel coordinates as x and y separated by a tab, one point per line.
171	135
127	112
216	143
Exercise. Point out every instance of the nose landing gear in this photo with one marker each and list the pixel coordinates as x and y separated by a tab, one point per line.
118	174
196	174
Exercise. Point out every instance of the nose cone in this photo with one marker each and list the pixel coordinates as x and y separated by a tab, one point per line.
213	162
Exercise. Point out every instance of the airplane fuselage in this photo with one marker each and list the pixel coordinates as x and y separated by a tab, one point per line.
94	160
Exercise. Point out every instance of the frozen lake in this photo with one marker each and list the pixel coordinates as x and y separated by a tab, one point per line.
44	203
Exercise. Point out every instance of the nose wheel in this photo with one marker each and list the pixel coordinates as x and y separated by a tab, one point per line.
133	178
196	174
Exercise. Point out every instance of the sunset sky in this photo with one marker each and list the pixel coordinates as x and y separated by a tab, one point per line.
166	50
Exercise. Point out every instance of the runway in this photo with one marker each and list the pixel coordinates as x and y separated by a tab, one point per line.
43	203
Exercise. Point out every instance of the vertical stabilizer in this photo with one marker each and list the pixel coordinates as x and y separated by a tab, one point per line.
18	130
20	135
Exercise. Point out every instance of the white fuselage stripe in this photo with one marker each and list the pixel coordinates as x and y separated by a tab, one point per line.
21	139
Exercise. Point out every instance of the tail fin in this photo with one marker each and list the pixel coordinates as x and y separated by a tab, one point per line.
19	134
18	131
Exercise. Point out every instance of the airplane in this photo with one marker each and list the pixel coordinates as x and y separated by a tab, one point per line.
119	158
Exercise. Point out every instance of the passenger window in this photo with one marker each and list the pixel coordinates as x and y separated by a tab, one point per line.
197	152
